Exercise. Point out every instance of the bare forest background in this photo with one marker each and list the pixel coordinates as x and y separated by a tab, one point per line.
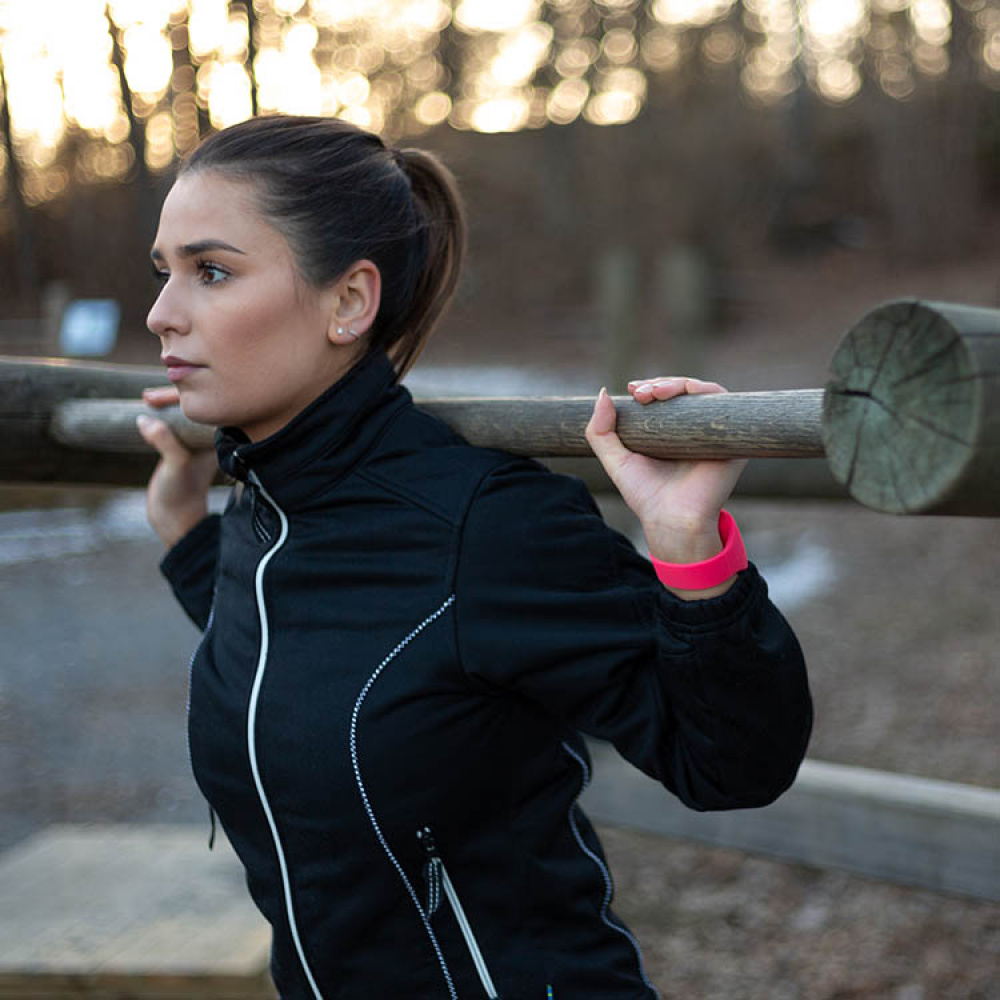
791	186
720	187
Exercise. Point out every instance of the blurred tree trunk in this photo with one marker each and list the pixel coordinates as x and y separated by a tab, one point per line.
926	156
251	52
184	85
142	184
26	254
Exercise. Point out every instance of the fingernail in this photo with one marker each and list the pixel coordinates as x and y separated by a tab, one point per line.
645	387
143	422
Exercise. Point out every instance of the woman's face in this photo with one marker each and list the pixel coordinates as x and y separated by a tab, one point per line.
244	339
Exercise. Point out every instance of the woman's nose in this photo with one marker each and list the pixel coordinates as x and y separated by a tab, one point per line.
168	314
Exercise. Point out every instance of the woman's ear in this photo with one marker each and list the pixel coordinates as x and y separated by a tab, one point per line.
354	303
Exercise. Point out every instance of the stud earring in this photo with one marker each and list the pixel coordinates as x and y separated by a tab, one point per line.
353	334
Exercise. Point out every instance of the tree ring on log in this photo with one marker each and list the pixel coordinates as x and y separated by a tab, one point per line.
911	415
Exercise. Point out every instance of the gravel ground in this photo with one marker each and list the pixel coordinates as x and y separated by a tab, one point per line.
719	924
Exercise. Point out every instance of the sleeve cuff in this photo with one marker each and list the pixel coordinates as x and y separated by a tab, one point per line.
714	611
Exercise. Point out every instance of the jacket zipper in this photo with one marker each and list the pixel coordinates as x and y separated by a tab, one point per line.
437	879
251	731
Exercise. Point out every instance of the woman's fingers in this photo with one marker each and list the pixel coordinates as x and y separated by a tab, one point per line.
177	495
602	438
157	434
161	395
668	386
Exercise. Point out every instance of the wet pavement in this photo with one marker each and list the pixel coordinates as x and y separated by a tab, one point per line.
93	676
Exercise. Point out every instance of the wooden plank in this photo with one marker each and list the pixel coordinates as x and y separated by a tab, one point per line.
935	834
119	911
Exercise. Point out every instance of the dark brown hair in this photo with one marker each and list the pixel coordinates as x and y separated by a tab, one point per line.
339	195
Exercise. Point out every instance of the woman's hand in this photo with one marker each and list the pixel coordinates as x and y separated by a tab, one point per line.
677	502
177	495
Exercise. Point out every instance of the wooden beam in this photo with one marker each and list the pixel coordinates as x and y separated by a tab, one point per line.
30	389
42	398
911	421
936	834
784	424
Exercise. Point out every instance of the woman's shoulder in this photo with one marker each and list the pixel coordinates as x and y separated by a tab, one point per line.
423	456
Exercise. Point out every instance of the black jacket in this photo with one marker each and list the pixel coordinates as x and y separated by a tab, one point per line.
404	637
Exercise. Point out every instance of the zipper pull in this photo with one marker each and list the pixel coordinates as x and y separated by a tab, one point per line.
432	869
240	467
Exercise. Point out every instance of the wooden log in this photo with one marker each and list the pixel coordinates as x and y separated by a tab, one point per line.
731	425
30	389
108	425
911	420
910	423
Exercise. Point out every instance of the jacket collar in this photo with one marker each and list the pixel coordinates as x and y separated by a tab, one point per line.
324	441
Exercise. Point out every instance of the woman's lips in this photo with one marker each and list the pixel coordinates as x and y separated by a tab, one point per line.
179	369
175	373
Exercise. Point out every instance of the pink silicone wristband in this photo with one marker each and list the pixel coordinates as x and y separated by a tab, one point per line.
710	572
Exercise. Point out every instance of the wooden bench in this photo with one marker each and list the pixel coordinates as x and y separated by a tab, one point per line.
116	912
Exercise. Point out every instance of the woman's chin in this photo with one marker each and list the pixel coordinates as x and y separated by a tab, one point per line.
200	411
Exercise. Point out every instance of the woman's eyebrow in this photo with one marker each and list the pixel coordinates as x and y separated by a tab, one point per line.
193	249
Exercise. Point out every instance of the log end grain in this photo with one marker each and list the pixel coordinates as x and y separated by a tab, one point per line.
911	417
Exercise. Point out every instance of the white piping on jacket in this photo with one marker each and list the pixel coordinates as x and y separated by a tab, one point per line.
367	803
251	736
470	938
605	874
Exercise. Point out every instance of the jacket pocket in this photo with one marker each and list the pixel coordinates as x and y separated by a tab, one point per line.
441	891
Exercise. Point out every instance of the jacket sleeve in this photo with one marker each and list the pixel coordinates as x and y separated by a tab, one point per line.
190	569
708	697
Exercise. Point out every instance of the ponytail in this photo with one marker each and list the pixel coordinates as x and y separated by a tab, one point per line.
441	216
338	195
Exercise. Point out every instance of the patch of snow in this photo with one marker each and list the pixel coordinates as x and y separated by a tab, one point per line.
805	574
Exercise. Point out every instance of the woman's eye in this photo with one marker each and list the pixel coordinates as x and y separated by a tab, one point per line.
160	276
212	274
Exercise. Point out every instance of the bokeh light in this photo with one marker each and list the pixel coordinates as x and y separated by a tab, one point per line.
489	15
404	66
690	12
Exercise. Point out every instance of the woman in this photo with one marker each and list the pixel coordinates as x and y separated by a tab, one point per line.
405	636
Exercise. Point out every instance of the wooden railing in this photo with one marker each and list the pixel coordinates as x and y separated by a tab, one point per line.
909	423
